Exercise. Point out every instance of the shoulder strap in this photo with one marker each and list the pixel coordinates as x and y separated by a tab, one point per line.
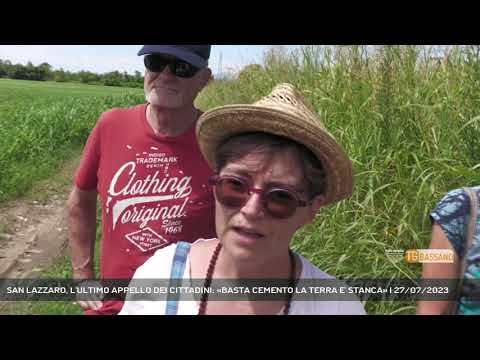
472	224
469	239
176	276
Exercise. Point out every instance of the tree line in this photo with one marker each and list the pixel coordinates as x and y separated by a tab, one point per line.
45	72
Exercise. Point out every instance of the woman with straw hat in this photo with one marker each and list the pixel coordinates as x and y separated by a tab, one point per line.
276	166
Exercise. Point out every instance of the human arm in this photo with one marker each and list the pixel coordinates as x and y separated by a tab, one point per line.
439	240
82	206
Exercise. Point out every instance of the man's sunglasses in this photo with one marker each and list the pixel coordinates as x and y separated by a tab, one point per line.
234	192
180	68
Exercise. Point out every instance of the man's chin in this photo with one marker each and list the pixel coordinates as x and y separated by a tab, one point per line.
166	105
165	102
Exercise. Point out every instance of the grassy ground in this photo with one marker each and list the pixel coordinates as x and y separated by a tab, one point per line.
60	270
41	191
43	127
41	123
13	90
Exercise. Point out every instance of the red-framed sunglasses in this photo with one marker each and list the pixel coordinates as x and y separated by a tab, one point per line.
234	192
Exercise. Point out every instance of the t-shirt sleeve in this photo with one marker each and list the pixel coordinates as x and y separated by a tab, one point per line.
450	214
86	175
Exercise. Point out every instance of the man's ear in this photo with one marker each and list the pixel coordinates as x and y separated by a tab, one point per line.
207	76
317	202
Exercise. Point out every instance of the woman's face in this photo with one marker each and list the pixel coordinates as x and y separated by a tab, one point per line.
250	231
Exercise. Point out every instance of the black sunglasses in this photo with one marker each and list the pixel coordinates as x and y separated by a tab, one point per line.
232	191
180	68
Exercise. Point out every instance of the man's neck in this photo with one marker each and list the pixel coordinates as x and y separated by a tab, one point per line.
171	122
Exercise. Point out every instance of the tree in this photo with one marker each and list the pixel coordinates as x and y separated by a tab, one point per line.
113	78
59	76
3	69
45	71
18	71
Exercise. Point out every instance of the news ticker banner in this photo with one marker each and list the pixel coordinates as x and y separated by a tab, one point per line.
225	290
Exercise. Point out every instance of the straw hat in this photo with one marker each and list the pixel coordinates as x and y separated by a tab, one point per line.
285	113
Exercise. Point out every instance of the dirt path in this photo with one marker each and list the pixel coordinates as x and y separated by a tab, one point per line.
36	235
33	229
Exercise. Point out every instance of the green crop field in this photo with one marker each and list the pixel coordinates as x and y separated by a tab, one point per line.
14	91
41	123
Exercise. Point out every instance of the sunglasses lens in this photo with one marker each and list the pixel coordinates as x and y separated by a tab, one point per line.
231	192
183	69
280	204
155	63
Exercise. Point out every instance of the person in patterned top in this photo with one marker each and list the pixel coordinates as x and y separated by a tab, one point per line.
450	220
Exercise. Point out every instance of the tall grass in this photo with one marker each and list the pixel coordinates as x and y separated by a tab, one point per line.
410	124
37	134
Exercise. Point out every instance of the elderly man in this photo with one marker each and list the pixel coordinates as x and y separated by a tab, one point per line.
145	165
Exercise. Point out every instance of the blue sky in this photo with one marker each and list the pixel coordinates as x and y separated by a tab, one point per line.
105	58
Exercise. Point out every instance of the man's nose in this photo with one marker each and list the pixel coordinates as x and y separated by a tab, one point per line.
166	73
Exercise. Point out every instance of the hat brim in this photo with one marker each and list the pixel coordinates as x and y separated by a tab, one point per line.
217	125
189	57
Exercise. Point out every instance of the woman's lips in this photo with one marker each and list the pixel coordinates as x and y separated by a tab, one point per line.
248	233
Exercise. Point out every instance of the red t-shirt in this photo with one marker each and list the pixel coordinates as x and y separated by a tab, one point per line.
154	191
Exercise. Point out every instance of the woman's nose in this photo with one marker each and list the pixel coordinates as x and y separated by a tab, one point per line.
253	208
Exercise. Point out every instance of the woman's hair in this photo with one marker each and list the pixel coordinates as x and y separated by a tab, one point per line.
238	146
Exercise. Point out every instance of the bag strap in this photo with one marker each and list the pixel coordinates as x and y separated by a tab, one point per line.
176	276
472	224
